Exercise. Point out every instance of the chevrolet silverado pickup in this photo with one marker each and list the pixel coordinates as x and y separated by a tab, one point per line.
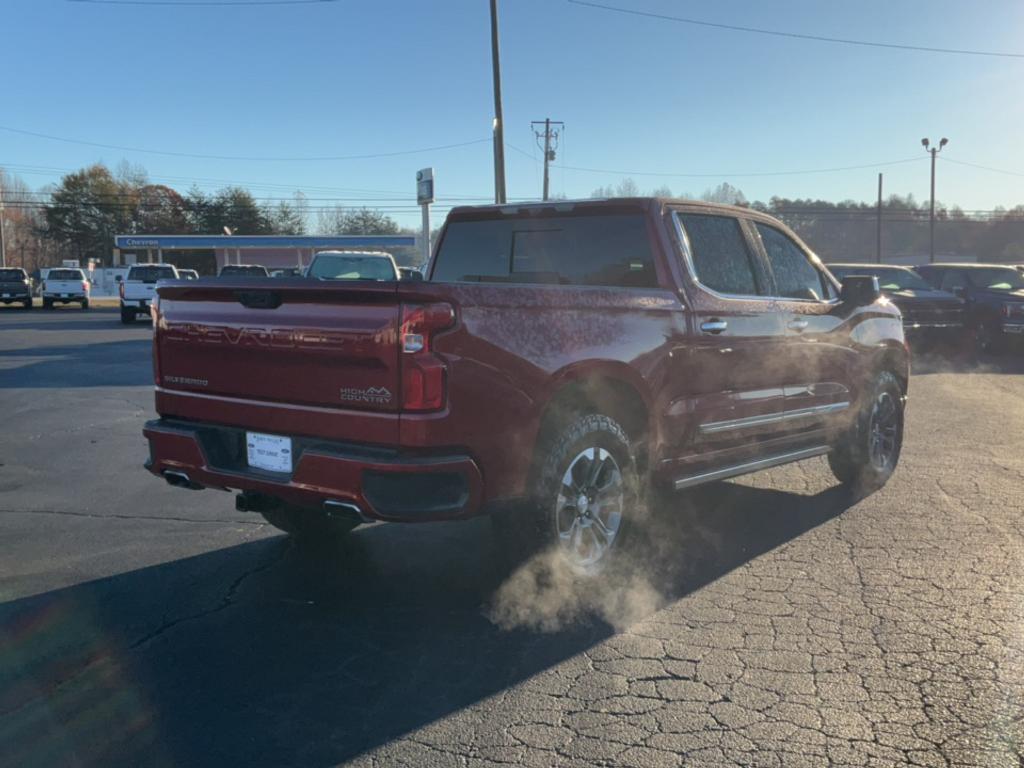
558	362
930	315
994	296
15	287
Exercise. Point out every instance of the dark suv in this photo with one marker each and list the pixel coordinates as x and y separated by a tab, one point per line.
994	295
557	361
930	315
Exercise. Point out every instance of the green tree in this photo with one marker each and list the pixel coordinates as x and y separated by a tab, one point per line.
367	221
85	211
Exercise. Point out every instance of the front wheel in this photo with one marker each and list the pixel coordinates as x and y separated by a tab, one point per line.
870	451
585	497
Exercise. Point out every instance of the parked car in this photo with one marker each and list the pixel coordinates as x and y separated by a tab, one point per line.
65	285
559	362
15	287
352	265
994	296
243	270
138	288
188	274
929	314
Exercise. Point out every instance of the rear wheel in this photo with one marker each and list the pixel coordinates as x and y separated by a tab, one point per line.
871	450
85	303
28	304
127	316
584	499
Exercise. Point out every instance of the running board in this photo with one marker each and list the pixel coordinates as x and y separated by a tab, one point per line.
750	466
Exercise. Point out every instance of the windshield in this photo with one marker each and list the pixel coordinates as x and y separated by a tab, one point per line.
996	278
331	267
65	274
11	275
151	274
889	278
244	270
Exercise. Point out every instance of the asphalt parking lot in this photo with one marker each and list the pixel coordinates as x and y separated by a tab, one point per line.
779	623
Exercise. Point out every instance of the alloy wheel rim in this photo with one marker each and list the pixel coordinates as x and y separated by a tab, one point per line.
883	432
589	508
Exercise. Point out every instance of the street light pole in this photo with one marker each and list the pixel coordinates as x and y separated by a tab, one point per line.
3	243
499	134
931	216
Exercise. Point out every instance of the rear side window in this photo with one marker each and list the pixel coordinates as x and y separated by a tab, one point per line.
151	274
607	249
795	276
721	258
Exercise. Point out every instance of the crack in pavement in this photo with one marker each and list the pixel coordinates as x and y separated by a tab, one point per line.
97	516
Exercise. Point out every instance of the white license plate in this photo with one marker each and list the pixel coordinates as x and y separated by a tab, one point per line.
7	296
269	452
65	295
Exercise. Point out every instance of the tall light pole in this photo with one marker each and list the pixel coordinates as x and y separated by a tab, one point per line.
3	243
550	137
499	133
931	217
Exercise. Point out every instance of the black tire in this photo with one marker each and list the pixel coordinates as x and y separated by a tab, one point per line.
127	316
866	458
555	517
28	304
309	526
987	337
85	303
47	304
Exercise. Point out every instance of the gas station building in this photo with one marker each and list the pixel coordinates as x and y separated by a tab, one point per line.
208	253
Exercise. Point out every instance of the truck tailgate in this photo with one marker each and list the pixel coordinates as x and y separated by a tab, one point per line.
291	355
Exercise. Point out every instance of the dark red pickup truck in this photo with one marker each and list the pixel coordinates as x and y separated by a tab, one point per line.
557	361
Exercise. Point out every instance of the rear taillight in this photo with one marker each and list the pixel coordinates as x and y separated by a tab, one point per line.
423	372
85	286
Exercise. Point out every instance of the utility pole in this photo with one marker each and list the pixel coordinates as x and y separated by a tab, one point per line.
499	131
550	137
931	217
3	243
878	244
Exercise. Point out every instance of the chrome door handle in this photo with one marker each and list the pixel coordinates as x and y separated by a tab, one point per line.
714	326
797	325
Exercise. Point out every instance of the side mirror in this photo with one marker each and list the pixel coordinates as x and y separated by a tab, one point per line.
860	290
117	278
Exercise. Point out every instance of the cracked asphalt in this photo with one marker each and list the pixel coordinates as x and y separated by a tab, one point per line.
780	623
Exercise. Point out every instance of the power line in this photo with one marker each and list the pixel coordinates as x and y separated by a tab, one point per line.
736	175
242	157
797	35
202	3
982	167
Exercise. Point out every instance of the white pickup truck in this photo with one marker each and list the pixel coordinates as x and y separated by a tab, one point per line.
139	287
65	285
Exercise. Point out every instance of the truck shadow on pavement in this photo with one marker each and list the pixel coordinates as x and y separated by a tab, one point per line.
101	364
261	655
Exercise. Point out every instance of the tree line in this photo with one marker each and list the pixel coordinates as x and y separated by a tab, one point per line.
847	230
79	217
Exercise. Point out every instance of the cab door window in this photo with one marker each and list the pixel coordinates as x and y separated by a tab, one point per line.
795	276
953	279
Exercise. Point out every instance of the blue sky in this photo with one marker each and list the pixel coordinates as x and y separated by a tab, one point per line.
636	94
